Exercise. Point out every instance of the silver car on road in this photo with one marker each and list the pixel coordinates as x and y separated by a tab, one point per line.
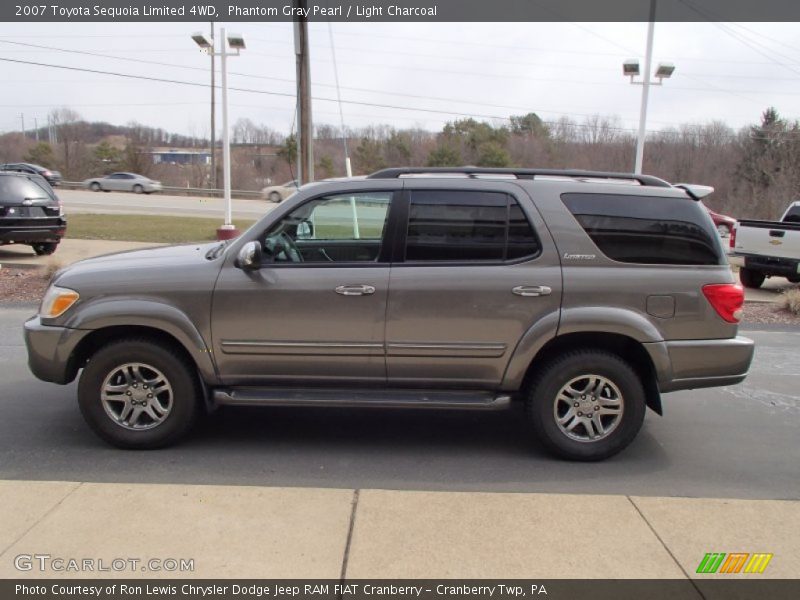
123	182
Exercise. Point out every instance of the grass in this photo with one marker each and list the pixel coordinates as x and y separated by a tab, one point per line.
790	300
145	228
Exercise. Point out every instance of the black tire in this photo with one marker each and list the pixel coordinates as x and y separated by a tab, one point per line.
275	197
794	279
178	373
542	407
138	189
44	248
750	278
95	186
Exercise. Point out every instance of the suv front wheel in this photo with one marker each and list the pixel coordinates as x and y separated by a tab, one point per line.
135	393
586	405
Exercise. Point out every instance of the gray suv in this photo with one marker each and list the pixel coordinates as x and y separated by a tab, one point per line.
582	295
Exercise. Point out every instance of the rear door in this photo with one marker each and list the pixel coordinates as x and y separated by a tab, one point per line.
474	269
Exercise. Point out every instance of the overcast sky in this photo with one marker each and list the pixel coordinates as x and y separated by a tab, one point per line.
729	72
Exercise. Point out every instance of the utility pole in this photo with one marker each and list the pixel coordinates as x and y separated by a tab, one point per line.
305	126
36	128
214	179
22	119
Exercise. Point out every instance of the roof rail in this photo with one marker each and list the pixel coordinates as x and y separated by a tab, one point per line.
396	172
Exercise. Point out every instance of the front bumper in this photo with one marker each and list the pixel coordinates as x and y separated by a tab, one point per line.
690	364
51	355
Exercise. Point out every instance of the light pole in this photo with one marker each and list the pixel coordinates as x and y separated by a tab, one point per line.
630	68
231	42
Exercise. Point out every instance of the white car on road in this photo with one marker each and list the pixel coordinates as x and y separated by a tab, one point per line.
279	193
123	182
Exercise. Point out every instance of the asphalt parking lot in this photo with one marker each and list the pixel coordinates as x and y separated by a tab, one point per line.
734	442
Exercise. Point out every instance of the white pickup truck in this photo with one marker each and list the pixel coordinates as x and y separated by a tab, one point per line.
764	249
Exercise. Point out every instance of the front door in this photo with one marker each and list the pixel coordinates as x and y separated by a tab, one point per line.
478	270
314	312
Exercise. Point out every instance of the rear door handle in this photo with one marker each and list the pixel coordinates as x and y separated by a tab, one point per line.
532	290
355	290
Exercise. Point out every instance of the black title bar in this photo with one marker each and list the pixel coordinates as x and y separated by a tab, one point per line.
398	11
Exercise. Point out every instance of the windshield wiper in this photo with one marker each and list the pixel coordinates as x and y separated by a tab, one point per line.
216	250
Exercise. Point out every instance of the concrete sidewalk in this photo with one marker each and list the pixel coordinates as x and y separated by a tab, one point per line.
68	252
263	532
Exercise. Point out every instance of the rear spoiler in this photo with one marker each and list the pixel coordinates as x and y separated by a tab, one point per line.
696	191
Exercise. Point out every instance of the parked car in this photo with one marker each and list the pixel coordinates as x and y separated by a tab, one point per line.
30	212
723	223
764	249
584	296
279	193
123	182
52	176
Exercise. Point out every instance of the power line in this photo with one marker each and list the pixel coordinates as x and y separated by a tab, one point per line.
264	92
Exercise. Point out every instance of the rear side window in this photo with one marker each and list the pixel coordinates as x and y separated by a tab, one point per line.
647	229
447	226
17	189
792	215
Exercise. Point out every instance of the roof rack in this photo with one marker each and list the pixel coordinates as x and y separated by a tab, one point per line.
394	173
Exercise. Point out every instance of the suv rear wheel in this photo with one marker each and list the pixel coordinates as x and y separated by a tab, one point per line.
135	393
751	279
44	248
586	405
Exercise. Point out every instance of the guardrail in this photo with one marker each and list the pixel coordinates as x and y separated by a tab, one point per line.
182	191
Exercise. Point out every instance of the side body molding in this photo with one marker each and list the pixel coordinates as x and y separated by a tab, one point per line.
135	312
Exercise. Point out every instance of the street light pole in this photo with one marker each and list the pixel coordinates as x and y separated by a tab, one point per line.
226	146
630	68
648	60
235	42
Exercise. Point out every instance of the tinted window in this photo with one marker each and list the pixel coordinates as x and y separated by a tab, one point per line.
16	189
467	226
793	216
649	230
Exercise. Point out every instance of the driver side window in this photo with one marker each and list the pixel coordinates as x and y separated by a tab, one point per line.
336	228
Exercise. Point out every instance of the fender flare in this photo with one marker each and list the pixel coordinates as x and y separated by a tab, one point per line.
135	312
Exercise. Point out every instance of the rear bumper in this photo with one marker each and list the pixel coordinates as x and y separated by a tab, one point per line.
690	364
769	265
28	230
50	351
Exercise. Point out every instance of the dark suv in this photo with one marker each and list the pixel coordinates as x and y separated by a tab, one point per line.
30	212
52	176
583	295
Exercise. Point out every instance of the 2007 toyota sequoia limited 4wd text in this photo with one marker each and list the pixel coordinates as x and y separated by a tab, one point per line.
583	295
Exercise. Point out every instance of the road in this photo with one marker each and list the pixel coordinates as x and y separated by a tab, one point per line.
85	201
737	442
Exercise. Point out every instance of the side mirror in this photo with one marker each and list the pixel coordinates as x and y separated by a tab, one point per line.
305	230
249	256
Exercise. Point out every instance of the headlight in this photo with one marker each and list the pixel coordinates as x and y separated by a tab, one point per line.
57	301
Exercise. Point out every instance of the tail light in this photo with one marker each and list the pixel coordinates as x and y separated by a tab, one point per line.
732	241
727	299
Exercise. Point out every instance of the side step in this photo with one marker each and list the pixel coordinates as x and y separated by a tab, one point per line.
360	398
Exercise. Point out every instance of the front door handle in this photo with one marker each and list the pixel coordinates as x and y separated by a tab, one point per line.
532	290
355	290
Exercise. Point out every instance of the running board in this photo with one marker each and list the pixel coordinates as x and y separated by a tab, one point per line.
360	398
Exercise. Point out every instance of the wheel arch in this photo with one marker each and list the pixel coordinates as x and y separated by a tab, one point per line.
625	347
110	320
